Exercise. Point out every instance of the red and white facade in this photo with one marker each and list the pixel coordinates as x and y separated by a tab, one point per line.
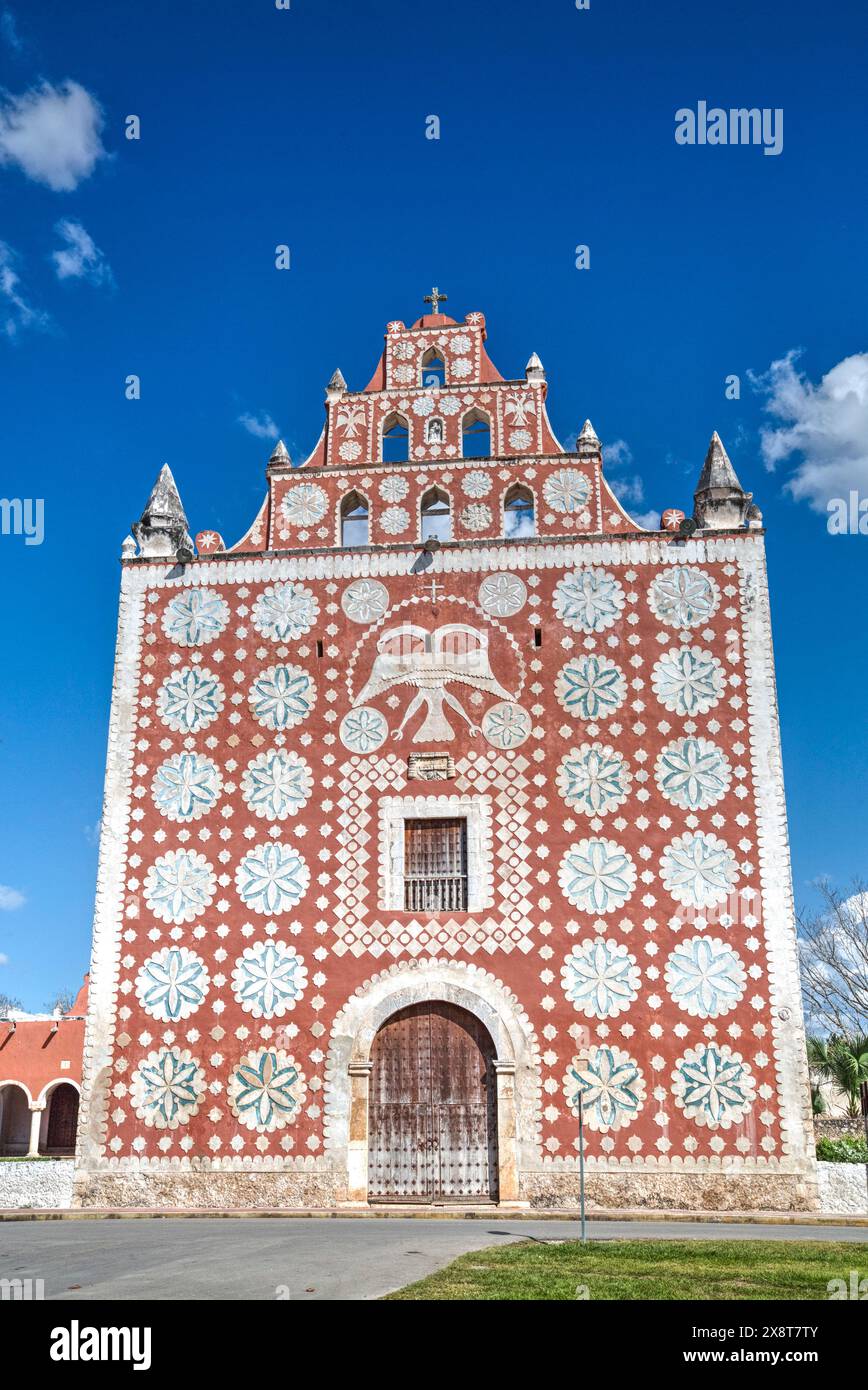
593	702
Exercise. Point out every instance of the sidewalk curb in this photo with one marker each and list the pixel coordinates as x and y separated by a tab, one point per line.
728	1218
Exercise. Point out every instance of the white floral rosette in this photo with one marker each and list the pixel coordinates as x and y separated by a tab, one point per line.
179	886
588	600
698	869
600	978
190	700
266	1090
269	978
186	787
713	1085
688	681
683	596
597	875
610	1084
277	784
594	779
693	773
272	878
284	612
281	697
194	617
705	977
172	984
167	1087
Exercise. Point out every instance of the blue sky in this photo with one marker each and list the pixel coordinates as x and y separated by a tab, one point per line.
307	127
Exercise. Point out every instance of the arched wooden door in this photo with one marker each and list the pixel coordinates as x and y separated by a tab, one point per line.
62	1120
432	1117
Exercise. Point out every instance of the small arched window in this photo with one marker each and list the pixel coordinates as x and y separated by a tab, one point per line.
355	528
518	517
433	373
475	435
396	440
436	521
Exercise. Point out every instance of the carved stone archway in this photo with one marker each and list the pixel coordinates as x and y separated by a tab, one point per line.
349	1064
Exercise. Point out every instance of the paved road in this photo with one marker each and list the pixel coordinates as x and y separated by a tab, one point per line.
315	1258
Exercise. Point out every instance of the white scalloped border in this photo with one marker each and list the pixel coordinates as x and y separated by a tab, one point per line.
548	553
108	913
778	909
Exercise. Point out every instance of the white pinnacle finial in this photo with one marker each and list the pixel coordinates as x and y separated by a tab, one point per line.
336	387
720	502
280	454
162	528
534	371
587	442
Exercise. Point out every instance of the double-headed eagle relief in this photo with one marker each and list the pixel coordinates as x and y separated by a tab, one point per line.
431	661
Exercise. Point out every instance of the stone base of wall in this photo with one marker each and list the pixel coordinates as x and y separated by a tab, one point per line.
208	1190
839	1127
843	1187
704	1191
708	1191
45	1182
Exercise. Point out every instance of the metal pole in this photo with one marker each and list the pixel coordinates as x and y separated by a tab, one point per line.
582	1170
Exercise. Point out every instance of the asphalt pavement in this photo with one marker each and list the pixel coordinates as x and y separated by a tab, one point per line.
300	1259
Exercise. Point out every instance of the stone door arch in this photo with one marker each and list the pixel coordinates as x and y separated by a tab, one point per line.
516	1065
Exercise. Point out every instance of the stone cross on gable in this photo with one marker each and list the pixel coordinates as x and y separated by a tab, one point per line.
435	298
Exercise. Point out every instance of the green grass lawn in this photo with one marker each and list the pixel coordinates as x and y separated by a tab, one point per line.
655	1269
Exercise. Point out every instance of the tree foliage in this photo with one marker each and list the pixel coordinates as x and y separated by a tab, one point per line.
833	954
62	999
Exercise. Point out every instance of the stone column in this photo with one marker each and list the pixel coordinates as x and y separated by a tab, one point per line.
36	1113
507	1156
357	1148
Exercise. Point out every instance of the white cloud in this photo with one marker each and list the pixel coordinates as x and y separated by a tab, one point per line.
80	258
15	311
618	454
52	134
4	960
10	898
261	425
516	530
826	424
628	489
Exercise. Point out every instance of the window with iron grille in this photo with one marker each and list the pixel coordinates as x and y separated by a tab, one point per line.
435	865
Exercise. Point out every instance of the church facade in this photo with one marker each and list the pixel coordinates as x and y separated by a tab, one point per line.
444	815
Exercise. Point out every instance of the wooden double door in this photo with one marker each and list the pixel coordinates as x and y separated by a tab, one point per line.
432	1116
